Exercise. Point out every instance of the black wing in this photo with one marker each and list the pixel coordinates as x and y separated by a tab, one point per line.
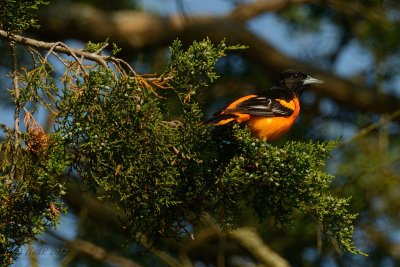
263	106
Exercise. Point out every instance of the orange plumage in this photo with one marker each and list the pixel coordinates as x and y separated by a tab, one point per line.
272	114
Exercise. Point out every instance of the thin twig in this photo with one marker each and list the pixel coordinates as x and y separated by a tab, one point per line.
16	91
33	52
182	10
77	60
50	52
119	61
59	47
365	131
5	128
60	59
98	51
120	65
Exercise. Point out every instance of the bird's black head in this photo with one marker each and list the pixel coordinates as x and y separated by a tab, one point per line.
295	81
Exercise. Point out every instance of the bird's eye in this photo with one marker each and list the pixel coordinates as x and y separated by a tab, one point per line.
296	75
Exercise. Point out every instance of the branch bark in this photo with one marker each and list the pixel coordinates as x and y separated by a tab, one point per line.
249	10
17	109
58	47
140	30
249	239
96	252
110	216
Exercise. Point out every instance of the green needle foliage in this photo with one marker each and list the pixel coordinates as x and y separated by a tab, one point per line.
115	134
30	191
18	15
166	174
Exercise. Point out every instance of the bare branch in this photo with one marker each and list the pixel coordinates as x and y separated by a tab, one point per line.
72	53
165	257
254	244
365	131
95	252
107	214
141	30
375	14
16	92
58	46
63	48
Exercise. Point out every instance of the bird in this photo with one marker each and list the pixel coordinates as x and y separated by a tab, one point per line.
271	114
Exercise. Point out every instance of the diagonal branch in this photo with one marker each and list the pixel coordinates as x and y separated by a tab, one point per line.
247	11
250	240
140	30
150	81
110	216
365	131
58	46
95	252
63	48
17	103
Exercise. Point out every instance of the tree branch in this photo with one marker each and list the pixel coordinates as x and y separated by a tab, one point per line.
17	103
210	242
255	245
110	216
95	252
247	11
57	46
63	48
140	30
365	131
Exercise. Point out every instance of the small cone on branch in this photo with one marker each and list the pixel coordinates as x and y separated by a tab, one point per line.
37	141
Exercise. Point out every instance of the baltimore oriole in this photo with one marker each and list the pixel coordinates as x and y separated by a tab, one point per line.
271	114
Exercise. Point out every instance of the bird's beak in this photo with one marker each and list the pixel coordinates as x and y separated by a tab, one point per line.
310	80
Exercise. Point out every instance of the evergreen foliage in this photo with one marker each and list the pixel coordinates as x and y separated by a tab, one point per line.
139	141
115	134
167	174
30	190
18	15
33	161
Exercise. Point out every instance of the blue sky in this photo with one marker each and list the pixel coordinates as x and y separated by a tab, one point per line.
269	27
